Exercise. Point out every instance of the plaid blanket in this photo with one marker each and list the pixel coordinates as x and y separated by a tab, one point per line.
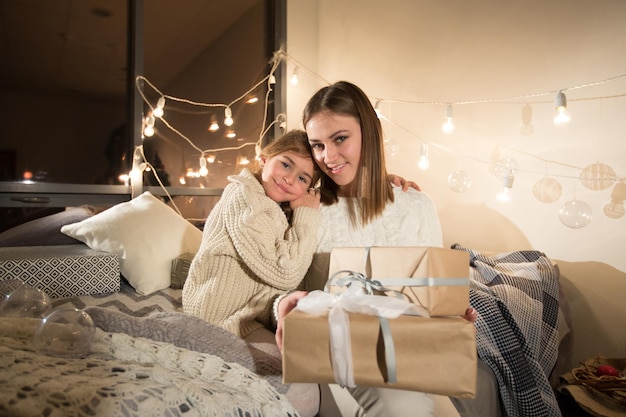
516	295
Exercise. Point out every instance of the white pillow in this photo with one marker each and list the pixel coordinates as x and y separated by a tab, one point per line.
145	233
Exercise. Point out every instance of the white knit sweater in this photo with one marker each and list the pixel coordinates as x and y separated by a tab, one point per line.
249	255
411	220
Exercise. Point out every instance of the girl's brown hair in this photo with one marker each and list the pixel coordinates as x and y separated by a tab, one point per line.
374	190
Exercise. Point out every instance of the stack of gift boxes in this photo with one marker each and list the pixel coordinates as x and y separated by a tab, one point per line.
435	353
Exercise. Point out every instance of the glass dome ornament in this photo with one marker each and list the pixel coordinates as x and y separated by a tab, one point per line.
65	332
597	176
547	190
459	181
575	214
504	167
27	302
391	147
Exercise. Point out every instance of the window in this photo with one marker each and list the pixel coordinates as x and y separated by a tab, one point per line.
72	115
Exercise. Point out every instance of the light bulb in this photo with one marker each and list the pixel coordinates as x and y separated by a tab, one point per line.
294	77
562	115
505	194
448	124
423	162
231	134
377	108
203	169
214	126
158	110
210	159
228	117
272	79
148	131
149	126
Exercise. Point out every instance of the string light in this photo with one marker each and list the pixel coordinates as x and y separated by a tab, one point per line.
505	194
228	116
203	171
214	126
562	115
148	129
294	77
423	162
525	128
448	122
158	110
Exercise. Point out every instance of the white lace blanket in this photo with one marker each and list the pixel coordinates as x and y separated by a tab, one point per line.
127	376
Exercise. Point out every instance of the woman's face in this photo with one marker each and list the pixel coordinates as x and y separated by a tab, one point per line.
336	143
286	176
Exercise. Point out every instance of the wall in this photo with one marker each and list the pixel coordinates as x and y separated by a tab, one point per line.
491	59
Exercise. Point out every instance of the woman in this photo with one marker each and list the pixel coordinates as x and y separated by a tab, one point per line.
361	208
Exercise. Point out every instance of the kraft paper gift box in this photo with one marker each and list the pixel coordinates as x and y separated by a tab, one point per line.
439	278
434	355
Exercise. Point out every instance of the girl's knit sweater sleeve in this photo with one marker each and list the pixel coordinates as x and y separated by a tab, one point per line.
278	254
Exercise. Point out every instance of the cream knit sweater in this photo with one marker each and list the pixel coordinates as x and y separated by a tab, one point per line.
411	220
249	255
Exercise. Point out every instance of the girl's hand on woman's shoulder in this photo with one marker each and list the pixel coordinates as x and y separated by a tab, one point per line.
399	181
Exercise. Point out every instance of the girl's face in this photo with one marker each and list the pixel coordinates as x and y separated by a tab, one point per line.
286	176
336	143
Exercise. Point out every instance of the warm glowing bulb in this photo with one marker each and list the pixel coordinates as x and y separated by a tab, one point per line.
294	77
228	117
505	194
203	169
182	180
210	159
252	100
231	134
158	110
214	126
148	131
562	115
448	124
423	162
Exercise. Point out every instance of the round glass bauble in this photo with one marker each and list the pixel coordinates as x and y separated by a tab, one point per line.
575	214
459	181
65	332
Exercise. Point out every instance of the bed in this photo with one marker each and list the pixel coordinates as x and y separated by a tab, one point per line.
149	358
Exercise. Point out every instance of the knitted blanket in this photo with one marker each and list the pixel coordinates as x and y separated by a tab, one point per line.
516	295
128	375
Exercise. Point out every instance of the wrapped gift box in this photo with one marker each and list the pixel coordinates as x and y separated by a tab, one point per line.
62	270
441	276
434	355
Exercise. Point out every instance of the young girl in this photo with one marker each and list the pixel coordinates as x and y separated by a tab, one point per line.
258	240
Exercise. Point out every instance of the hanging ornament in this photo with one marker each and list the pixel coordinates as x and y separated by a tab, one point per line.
575	214
547	190
391	147
459	181
504	167
527	128
614	209
597	176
